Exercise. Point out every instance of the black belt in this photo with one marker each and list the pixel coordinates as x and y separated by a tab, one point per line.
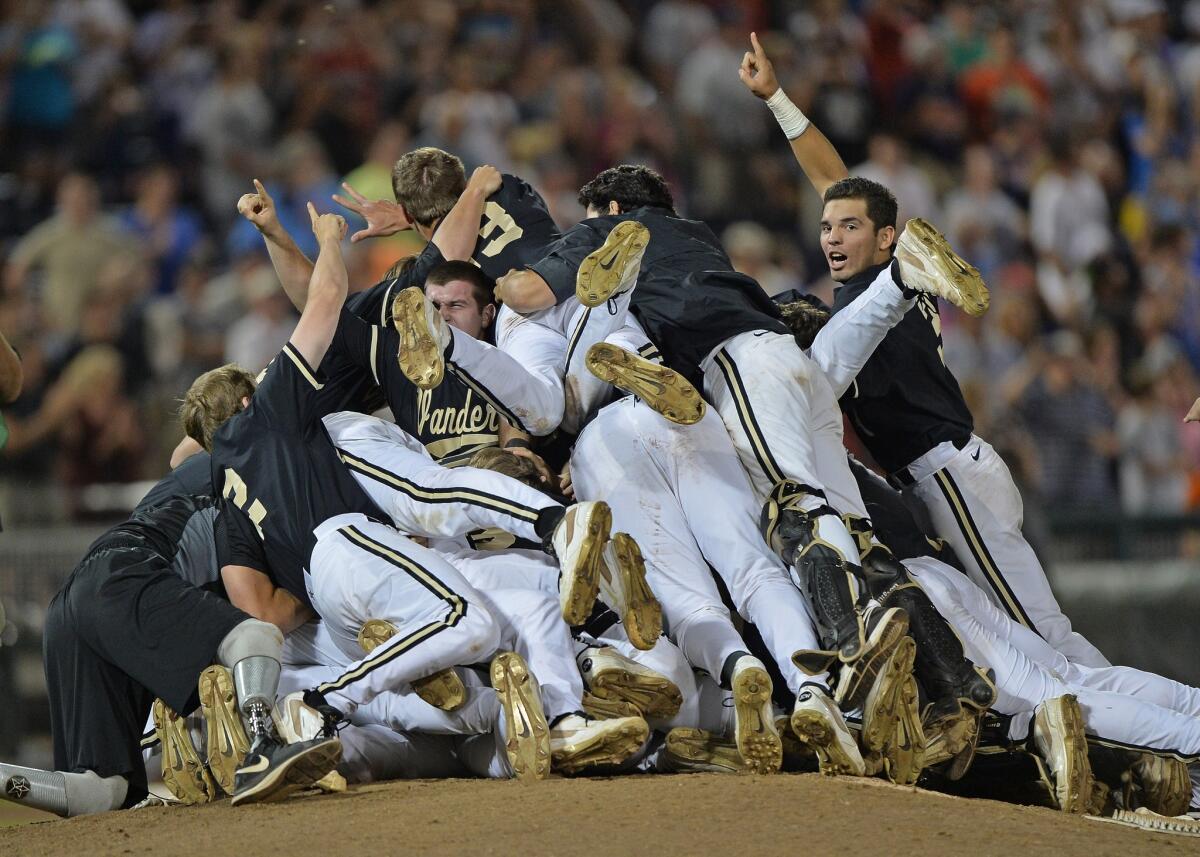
903	478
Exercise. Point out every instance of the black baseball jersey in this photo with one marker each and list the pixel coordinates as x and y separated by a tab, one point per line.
905	401
192	476
514	232
452	421
178	528
688	297
278	468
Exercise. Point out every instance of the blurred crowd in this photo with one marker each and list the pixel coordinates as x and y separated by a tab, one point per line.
1055	141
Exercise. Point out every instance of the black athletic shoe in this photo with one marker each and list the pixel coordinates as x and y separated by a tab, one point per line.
271	770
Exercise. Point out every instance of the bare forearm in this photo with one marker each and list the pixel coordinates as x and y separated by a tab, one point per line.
458	232
818	158
291	266
524	292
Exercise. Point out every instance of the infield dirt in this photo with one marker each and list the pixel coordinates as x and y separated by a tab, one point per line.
800	814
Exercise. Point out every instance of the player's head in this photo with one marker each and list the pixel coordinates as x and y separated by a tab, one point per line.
624	188
805	318
462	293
212	399
858	226
427	182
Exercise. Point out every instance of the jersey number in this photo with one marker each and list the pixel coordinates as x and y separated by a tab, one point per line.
929	309
235	490
496	218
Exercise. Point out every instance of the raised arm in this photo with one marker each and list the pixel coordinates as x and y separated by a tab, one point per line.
816	155
291	265
524	291
326	289
458	232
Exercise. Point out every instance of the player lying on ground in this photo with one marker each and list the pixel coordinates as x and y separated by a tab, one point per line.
137	620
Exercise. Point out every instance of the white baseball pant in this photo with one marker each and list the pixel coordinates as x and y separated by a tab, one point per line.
974	505
680	492
1023	682
422	497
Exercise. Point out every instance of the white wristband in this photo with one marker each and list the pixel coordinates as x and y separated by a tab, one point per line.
788	115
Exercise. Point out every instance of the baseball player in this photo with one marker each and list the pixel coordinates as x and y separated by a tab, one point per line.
137	619
306	535
905	404
1122	707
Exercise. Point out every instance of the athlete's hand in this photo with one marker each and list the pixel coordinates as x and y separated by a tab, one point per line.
327	227
383	217
486	180
756	72
259	209
543	471
565	486
1193	414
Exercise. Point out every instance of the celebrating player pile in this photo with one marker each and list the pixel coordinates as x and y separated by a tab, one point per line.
420	596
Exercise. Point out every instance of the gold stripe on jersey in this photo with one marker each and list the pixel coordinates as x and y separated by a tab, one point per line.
439	495
395	648
450	451
302	365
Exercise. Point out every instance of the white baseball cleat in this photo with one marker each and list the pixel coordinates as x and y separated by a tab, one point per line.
623	587
610	675
929	264
578	742
613	268
578	543
1060	741
424	336
754	717
818	722
527	737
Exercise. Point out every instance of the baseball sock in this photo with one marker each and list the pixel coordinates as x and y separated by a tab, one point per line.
728	666
64	794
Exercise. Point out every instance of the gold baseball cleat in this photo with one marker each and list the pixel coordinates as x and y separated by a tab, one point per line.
692	751
881	710
929	264
608	674
1061	743
443	689
613	268
226	742
600	708
424	336
754	720
527	735
182	771
577	743
623	587
663	389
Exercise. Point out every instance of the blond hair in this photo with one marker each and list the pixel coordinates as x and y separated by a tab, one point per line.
212	399
427	182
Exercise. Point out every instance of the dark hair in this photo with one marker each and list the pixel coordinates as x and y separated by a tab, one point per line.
482	286
881	204
427	182
630	186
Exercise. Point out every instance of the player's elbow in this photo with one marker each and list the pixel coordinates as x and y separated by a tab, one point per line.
525	292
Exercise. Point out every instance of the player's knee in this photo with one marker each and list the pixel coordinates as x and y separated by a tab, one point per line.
482	631
249	639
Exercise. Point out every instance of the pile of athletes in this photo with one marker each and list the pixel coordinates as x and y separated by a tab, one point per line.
608	525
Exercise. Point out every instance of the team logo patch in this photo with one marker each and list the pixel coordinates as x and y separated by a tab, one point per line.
17	788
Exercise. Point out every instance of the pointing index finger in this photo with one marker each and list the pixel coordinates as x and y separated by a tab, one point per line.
759	53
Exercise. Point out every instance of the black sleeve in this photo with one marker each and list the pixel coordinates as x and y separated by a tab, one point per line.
375	304
193	476
237	542
561	263
355	342
288	399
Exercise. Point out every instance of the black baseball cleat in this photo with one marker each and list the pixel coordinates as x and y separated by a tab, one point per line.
273	770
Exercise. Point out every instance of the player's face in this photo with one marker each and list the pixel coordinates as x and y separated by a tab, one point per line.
849	240
456	302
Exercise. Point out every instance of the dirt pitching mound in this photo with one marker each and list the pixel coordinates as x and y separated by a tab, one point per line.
659	815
